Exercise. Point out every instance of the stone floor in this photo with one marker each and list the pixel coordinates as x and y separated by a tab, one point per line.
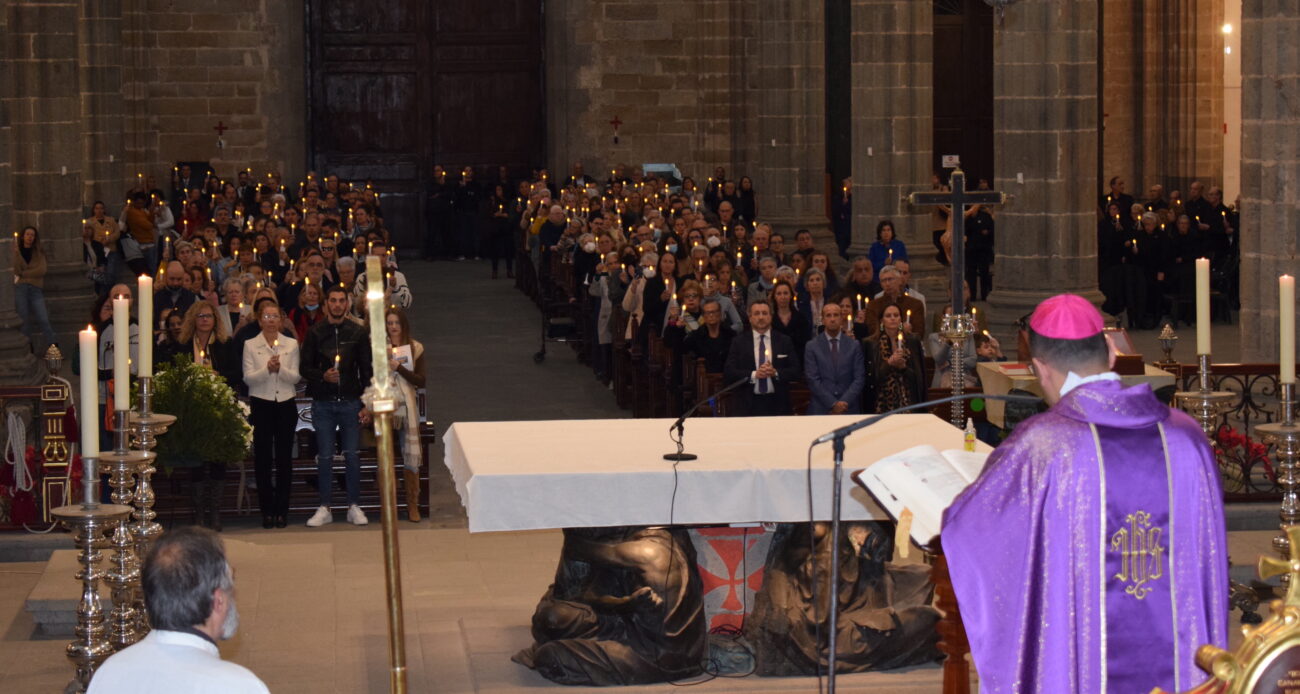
312	601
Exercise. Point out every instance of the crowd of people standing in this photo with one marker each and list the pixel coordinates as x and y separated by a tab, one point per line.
265	285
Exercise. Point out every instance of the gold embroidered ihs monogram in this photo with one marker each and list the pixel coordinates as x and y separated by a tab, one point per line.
1141	556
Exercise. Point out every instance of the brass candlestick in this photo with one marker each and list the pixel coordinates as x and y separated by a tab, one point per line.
1285	435
88	522
956	330
1205	404
123	575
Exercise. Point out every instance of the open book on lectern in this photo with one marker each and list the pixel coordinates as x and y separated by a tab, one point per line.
918	484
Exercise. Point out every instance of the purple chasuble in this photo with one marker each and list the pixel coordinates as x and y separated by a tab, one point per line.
1090	555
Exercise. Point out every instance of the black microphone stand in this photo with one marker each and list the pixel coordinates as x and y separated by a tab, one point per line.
680	424
836	439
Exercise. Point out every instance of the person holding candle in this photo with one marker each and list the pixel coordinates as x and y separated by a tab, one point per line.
137	244
767	359
896	362
270	368
787	319
887	247
406	370
173	294
336	365
396	290
29	267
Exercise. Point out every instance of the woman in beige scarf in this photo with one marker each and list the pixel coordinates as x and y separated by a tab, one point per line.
406	362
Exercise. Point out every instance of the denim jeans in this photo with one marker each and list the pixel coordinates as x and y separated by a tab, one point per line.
29	300
327	416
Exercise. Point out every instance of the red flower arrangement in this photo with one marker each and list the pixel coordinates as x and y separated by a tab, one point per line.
1238	453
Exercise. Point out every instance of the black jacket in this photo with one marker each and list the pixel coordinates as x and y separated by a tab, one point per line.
351	343
740	364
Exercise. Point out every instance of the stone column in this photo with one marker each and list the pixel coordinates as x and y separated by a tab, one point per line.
893	128
1045	134
102	105
16	364
1270	171
1164	93
786	145
44	106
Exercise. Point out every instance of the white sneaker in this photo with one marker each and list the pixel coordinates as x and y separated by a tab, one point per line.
321	517
356	516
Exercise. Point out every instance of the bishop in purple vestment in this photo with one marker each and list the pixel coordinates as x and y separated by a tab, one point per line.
1090	555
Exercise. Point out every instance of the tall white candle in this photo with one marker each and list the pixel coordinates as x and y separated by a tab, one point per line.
145	319
88	345
1202	306
1286	307
121	353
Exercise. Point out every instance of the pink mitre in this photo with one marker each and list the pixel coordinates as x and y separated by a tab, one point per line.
1066	317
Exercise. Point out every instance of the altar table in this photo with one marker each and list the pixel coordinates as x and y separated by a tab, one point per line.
530	475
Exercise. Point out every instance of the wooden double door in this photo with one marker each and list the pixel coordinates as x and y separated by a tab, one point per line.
398	86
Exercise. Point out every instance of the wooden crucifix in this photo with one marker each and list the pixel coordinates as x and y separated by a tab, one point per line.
958	199
957	326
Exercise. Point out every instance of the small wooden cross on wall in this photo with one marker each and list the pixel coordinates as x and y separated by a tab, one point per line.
616	122
221	129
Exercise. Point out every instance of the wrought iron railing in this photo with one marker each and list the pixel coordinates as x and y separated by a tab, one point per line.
1246	465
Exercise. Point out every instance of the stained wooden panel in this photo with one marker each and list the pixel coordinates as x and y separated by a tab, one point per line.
399	85
963	85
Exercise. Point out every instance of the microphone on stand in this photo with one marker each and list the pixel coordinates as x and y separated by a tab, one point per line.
837	437
680	424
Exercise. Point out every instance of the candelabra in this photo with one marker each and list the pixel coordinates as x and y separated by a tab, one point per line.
88	522
956	330
146	425
123	576
1285	434
1205	404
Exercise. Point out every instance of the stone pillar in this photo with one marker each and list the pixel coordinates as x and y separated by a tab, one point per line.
1270	171
786	145
1163	99
44	106
16	364
102	105
1045	134
893	128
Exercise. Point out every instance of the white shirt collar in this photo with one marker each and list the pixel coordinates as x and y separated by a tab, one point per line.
1074	380
180	638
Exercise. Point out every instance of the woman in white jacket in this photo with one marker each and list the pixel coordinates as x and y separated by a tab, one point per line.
271	372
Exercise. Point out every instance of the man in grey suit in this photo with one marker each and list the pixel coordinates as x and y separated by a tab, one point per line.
834	368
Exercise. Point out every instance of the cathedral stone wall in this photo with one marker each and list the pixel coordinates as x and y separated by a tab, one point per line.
189	64
696	83
1162	93
94	91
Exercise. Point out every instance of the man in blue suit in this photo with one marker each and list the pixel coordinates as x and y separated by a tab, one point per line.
834	368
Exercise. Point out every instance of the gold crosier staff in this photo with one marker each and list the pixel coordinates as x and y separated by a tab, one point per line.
383	407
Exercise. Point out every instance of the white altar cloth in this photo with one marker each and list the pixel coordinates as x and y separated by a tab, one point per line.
603	472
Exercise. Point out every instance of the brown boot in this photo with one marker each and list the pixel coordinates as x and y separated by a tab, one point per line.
411	481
